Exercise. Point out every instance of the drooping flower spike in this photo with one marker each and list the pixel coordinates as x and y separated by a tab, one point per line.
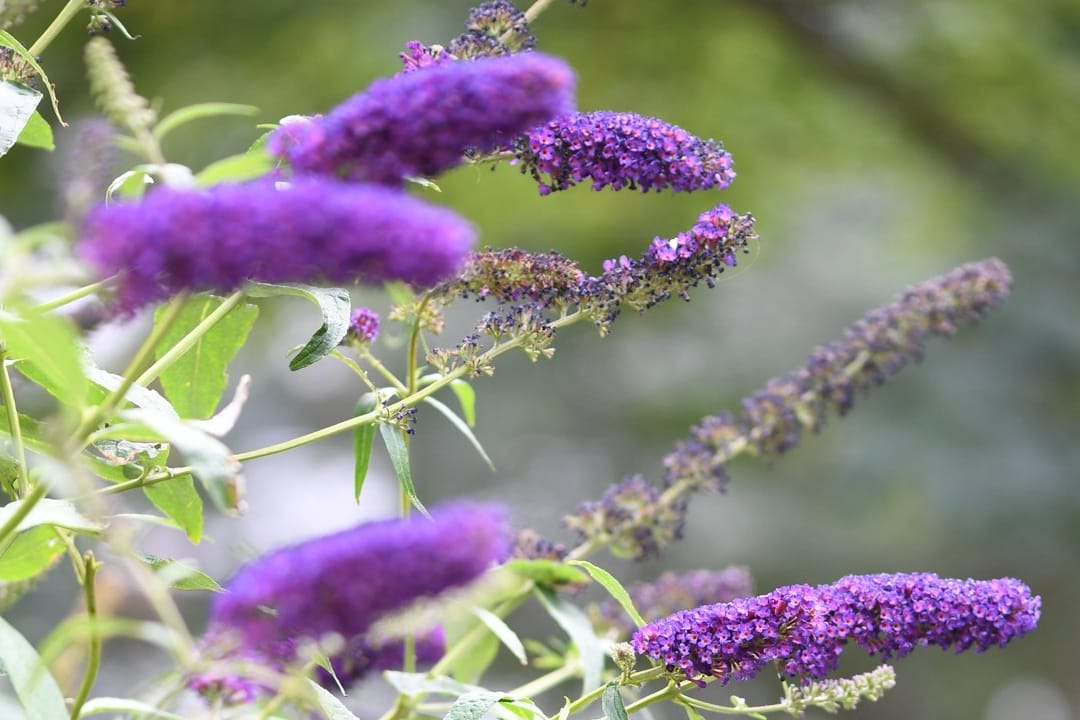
307	231
341	584
804	629
621	150
422	123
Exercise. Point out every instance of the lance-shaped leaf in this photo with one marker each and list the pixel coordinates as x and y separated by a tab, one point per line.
335	306
37	133
399	458
580	630
179	499
614	588
184	115
612	703
363	442
197	380
47	352
463	428
36	689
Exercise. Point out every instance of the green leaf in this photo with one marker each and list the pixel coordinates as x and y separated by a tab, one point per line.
211	462
335	305
181	575
423	182
179	499
236	168
399	458
8	40
546	573
471	666
198	111
691	712
197	380
30	553
580	630
137	395
48	353
104	705
18	103
36	689
614	588
462	427
332	708
416	683
130	185
475	705
48	511
502	631
37	133
363	442
612	703
467	398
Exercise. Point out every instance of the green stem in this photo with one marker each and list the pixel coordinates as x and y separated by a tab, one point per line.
59	23
547	681
382	370
93	658
728	710
14	425
27	504
188	341
142	355
537	7
72	296
414	342
642	676
673	689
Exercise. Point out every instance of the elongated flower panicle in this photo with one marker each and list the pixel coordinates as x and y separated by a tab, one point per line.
621	150
513	275
672	592
311	230
804	629
421	123
342	583
493	28
872	350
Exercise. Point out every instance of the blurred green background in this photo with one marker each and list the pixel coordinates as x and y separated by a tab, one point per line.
878	143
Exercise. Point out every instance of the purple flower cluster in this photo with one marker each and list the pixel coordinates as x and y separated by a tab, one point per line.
417	56
341	583
421	123
872	350
513	275
672	592
311	230
621	150
364	325
493	28
803	629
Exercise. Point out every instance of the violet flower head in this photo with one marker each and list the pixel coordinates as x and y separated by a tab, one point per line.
870	352
804	629
342	583
311	230
621	150
417	56
363	325
422	123
672	592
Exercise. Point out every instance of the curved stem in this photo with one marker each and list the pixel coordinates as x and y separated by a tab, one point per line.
194	335
547	681
382	370
142	355
59	23
414	338
14	426
27	504
72	296
93	658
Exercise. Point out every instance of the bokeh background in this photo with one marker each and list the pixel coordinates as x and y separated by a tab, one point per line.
878	143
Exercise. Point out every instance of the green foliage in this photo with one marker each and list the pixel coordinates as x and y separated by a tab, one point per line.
179	500
195	382
36	689
18	104
335	306
30	553
399	458
577	626
37	133
181	576
612	703
614	588
47	352
363	442
462	427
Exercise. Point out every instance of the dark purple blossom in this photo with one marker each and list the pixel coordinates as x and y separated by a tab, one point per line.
621	150
804	629
311	230
417	56
364	325
672	592
422	123
341	584
871	351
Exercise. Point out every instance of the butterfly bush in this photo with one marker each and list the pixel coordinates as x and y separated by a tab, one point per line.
427	600
311	230
342	583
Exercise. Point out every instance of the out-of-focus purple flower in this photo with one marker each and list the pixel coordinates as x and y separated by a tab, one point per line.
307	231
672	592
803	629
421	123
417	56
364	325
342	583
621	150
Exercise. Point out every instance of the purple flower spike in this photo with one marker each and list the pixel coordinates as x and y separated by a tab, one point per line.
803	629
342	583
622	150
364	325
421	123
312	230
